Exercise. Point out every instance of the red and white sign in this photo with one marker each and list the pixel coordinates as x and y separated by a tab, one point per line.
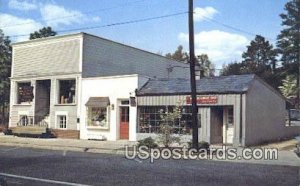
203	100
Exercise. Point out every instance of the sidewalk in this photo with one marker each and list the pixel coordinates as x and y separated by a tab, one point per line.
112	147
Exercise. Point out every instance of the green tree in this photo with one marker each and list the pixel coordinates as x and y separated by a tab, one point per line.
44	32
5	72
260	56
178	55
288	41
234	68
207	68
289	86
259	59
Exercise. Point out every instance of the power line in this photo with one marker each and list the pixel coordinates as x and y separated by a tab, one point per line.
76	15
234	28
113	24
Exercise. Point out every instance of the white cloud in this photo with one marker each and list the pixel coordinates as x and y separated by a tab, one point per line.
20	28
55	15
22	5
202	13
221	47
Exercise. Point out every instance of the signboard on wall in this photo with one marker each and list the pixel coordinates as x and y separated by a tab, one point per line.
203	100
25	93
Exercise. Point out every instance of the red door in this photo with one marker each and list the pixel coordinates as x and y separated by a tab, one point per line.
124	122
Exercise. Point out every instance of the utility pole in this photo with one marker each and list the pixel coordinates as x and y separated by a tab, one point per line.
193	78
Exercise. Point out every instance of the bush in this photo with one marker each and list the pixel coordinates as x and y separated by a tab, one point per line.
149	142
202	145
7	132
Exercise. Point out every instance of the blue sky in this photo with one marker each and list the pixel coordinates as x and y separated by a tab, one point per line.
221	43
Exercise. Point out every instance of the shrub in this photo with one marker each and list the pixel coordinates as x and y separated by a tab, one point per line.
166	135
149	142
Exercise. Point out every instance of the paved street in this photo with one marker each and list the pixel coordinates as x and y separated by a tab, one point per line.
26	166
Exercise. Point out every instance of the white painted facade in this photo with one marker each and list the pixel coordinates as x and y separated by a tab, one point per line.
117	88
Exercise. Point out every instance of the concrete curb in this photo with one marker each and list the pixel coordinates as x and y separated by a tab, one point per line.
65	148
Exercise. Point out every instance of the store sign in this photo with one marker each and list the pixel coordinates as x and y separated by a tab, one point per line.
203	100
25	93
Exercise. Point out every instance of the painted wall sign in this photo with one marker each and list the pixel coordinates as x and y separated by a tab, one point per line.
203	100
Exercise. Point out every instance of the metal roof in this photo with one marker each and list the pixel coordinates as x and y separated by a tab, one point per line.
219	84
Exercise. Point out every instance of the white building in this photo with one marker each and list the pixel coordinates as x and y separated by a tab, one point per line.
55	80
84	86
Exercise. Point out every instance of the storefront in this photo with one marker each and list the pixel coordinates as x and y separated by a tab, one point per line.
239	110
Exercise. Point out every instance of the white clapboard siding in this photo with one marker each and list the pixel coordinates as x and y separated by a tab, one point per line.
46	58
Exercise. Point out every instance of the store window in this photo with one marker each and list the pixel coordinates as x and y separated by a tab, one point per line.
150	119
24	93
98	117
62	121
98	112
66	92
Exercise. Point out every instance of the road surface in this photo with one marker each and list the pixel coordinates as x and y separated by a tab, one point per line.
26	166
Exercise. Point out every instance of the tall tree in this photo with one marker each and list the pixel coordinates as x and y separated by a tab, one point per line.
44	32
288	41
5	71
207	68
260	56
179	54
259	59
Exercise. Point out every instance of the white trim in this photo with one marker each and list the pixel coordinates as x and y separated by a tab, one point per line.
47	40
110	77
46	76
80	54
108	115
61	113
56	98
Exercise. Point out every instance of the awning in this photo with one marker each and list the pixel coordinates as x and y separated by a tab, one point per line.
97	102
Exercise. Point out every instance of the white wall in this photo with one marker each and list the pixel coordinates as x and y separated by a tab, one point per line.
116	88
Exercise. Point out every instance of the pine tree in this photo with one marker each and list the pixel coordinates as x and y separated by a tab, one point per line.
260	56
288	41
5	70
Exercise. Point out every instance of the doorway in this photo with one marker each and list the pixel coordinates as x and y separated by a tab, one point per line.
228	127
216	124
42	99
124	122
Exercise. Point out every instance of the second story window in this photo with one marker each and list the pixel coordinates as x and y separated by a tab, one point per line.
66	92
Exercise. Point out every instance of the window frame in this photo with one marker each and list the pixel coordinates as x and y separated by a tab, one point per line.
16	93
149	120
58	97
88	114
58	118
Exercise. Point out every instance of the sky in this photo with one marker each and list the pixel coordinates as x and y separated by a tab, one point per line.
223	28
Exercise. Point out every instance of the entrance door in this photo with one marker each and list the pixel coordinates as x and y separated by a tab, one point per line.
124	122
228	126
